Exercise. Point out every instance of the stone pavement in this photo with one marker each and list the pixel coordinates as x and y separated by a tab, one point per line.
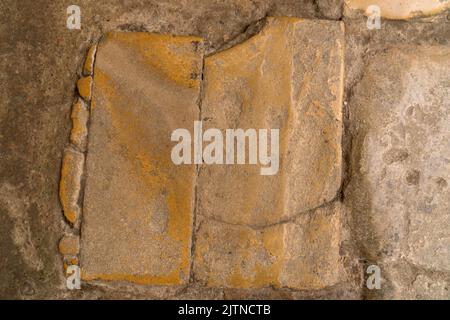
362	179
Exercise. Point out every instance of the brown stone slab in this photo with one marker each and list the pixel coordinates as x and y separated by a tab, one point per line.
138	206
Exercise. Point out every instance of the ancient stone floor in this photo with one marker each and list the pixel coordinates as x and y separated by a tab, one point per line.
342	191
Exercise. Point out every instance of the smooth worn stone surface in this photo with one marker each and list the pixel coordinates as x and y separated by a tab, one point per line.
287	77
401	9
69	245
300	254
70	184
138	205
84	86
80	117
400	116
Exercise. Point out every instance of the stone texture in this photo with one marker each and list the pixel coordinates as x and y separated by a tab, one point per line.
40	60
401	9
138	205
69	245
79	132
400	115
291	79
70	184
300	254
88	67
84	86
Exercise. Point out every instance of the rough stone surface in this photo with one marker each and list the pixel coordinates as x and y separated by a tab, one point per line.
79	132
69	245
401	9
70	184
291	79
144	88
300	254
400	159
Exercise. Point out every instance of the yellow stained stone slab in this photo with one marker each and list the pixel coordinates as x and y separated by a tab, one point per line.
300	254
138	206
287	77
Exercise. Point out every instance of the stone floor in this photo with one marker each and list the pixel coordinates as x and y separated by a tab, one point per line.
87	179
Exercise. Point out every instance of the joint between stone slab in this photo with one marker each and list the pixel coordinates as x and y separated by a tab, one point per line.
72	186
197	173
291	219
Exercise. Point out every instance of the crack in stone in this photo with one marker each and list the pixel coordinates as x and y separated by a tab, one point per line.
292	219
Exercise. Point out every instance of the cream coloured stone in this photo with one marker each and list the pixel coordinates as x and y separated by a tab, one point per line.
401	9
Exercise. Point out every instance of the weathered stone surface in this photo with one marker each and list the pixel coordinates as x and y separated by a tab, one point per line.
80	117
69	245
138	205
331	9
401	9
84	86
88	67
70	184
400	115
300	254
288	77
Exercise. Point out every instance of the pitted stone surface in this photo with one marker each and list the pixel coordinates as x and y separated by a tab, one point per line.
401	9
287	77
400	159
138	205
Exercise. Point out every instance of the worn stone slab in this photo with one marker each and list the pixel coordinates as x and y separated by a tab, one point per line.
400	119
401	9
138	205
287	77
300	254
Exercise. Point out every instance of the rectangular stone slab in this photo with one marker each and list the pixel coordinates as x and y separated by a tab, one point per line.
138	205
287	77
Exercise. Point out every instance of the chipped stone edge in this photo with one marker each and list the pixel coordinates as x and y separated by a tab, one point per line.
71	185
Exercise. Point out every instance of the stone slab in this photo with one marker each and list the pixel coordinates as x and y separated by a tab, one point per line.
400	116
287	77
138	205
